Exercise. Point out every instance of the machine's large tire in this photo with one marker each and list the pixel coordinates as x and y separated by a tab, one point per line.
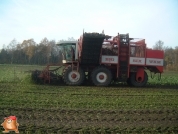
77	79
101	76
35	78
129	81
133	82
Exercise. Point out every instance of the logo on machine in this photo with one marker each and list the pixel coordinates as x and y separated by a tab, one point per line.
109	59
153	61
136	61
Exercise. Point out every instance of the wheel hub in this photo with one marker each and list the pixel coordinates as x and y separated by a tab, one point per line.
74	76
101	77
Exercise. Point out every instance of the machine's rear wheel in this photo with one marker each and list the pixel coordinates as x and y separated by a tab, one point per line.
101	76
72	76
129	81
132	80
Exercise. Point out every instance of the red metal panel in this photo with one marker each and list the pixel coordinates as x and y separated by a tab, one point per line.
160	68
154	54
155	58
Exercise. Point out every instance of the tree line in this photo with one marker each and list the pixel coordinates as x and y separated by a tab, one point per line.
29	52
170	55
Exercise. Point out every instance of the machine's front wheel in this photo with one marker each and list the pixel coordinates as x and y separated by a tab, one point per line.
35	77
134	82
73	77
101	76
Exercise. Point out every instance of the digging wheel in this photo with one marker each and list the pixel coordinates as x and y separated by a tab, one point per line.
73	77
35	76
132	80
101	76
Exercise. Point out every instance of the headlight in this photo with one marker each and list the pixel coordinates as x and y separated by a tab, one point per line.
63	61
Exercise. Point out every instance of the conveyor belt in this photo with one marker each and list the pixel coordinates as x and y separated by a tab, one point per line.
91	48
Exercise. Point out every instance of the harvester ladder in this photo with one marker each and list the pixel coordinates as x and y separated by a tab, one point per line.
123	56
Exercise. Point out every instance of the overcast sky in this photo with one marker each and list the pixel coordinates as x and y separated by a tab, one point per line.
152	20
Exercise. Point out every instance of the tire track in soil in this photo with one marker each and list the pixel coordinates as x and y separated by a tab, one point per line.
50	105
81	118
76	94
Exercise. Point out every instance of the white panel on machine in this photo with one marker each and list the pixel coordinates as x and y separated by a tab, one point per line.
109	59
154	61
137	61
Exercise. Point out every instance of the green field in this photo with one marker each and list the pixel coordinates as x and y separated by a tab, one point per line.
88	109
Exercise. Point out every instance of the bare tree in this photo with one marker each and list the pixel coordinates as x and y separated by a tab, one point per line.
28	47
159	45
46	49
11	48
71	39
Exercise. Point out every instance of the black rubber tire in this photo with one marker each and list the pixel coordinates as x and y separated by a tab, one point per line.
129	81
133	81
66	76
35	78
104	70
